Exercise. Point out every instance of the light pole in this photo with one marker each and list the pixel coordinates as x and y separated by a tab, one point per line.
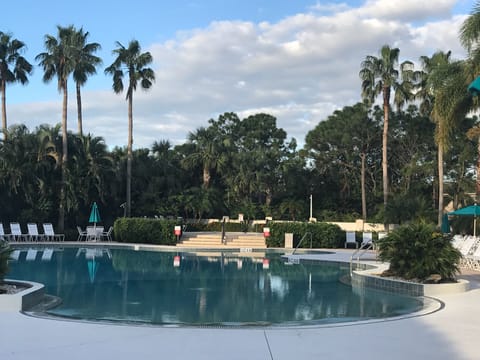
311	207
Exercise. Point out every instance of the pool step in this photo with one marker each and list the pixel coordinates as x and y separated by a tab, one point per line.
214	240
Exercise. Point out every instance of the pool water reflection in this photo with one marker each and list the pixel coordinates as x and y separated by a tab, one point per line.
201	288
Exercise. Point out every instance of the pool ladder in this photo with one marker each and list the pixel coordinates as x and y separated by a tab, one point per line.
301	240
359	253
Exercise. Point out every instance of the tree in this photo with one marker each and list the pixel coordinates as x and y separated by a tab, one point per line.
443	92
58	62
379	76
133	63
85	64
345	147
208	153
10	55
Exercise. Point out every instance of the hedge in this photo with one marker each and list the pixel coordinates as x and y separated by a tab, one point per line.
145	231
324	235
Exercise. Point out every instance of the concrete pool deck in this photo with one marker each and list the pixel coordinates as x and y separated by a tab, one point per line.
450	333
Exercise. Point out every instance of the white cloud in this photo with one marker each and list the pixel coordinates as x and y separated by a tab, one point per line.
299	69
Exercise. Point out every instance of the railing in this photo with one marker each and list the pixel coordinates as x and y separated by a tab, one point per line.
359	253
301	240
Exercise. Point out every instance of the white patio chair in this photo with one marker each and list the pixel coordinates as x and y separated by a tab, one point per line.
16	231
50	233
108	234
33	234
350	239
82	234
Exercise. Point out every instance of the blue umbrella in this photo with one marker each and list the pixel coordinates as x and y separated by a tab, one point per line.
472	210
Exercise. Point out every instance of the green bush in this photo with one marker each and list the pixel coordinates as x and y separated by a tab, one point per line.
145	231
324	235
5	252
417	251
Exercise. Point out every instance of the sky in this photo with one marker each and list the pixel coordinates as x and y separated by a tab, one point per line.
297	60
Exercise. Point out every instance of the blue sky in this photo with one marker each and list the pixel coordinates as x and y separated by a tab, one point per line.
297	59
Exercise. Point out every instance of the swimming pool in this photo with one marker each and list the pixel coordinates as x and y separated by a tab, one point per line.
200	288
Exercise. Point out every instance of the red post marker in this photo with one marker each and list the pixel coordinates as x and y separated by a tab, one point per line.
177	231
266	232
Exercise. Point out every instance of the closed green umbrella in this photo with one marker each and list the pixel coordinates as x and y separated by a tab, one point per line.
94	217
94	214
445	224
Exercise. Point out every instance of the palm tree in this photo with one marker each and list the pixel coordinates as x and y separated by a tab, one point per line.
132	62
58	61
470	34
84	65
10	54
379	76
443	93
207	153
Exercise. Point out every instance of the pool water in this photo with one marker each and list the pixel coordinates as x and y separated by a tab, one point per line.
200	288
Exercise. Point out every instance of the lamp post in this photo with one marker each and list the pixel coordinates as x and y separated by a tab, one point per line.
311	207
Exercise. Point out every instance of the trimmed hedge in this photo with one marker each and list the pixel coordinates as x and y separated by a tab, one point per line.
324	235
217	226
145	231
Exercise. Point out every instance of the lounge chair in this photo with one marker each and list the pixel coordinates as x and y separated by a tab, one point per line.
16	231
33	234
367	239
466	249
50	233
108	234
3	236
350	239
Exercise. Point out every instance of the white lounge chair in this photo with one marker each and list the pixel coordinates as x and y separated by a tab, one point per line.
350	239
467	249
16	231
50	233
33	234
3	236
367	239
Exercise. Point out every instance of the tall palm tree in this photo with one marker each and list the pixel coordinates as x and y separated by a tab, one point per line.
58	61
442	91
10	55
470	39
85	64
379	76
131	62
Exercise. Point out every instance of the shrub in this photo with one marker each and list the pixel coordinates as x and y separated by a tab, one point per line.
5	252
417	251
324	235
145	231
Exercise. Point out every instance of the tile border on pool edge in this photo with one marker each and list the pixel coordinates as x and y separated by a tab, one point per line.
370	278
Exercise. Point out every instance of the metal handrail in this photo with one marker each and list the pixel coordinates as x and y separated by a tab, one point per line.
301	240
364	248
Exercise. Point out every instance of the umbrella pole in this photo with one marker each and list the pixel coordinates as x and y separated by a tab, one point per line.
474	226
